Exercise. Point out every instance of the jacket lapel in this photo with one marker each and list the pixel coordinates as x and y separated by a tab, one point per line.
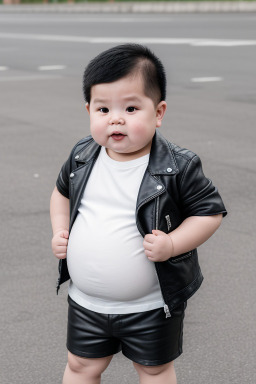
161	162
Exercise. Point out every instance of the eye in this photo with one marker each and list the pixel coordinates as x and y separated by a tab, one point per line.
131	109
104	110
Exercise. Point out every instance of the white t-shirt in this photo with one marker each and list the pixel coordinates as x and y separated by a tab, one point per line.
106	261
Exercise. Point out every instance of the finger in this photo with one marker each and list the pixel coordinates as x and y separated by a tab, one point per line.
61	249
65	234
156	232
61	255
148	253
148	246
151	258
149	238
61	242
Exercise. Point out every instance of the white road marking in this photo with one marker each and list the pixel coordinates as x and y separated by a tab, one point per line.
143	40
28	78
175	41
51	67
223	43
26	36
106	18
74	20
3	68
205	79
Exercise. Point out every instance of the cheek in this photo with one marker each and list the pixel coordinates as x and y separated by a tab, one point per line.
98	131
97	126
142	131
139	129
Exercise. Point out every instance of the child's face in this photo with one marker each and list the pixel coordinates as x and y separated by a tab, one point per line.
123	119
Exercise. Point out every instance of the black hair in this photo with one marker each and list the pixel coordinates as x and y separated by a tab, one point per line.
122	60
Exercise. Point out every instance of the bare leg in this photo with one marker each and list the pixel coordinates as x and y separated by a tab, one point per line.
81	370
161	374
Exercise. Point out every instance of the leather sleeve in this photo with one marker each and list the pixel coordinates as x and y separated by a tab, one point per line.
62	182
69	166
199	196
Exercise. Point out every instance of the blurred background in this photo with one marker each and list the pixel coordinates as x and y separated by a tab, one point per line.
211	95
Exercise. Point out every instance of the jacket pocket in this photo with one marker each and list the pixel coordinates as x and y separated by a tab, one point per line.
183	256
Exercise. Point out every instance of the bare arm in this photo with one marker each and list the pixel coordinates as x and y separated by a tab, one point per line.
59	211
192	232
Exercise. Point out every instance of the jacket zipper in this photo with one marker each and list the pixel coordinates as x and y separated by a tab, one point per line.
167	311
166	308
157	212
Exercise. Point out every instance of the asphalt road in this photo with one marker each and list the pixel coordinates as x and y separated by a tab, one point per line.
210	63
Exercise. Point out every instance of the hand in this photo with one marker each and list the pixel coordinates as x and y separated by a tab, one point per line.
158	246
60	244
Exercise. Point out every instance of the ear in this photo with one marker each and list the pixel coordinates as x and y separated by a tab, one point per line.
87	106
160	111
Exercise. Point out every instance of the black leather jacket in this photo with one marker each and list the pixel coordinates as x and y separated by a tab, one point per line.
173	188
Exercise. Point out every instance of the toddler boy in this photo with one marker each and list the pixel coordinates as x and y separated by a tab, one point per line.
128	211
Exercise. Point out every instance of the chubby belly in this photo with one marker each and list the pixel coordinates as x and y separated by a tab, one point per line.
110	263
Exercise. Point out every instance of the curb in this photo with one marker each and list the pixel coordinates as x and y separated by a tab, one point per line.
134	7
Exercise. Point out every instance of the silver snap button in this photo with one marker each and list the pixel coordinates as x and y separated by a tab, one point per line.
159	187
72	175
77	157
169	169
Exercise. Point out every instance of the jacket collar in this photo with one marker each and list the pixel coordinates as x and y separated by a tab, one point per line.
90	150
161	160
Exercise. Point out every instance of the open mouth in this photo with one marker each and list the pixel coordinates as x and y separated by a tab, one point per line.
117	136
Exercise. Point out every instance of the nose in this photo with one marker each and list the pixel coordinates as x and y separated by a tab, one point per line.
116	119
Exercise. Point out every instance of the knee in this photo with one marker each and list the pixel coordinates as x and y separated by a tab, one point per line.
158	370
88	366
75	363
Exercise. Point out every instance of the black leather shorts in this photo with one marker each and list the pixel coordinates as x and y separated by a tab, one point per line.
147	338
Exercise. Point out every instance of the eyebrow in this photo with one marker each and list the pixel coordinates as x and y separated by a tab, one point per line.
132	98
101	101
128	98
